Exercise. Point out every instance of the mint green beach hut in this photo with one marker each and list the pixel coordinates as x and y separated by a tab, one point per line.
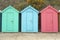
10	17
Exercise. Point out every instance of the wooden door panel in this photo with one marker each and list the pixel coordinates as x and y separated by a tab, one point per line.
35	22
23	22
47	25
10	22
49	22
29	22
4	22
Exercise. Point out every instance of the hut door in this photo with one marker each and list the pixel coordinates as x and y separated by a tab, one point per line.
10	22
48	22
29	22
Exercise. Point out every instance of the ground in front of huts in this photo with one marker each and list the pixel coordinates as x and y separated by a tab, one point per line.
30	36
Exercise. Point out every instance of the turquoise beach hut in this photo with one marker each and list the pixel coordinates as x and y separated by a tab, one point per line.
29	19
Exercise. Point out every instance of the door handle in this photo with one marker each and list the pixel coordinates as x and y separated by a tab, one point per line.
12	21
31	21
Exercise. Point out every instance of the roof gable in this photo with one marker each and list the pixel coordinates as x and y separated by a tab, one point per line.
10	7
29	7
49	7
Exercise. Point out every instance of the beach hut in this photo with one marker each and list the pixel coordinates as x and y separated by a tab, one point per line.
10	19
29	19
49	19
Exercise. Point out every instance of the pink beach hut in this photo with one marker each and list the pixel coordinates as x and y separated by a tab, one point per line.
49	19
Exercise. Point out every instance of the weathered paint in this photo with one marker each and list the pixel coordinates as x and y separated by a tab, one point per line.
49	19
10	19
29	17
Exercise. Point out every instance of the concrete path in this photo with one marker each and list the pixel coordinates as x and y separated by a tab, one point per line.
29	36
